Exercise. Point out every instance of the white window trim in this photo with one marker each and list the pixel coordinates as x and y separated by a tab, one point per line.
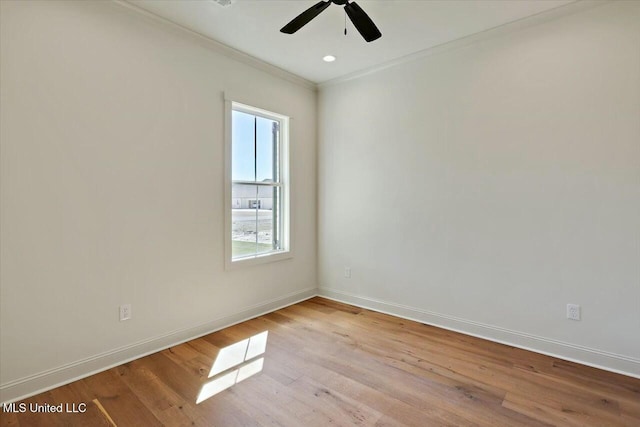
285	154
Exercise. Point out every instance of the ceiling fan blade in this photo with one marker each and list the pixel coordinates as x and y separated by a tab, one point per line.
362	22
304	18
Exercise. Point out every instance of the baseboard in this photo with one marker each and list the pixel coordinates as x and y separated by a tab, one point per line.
56	377
617	363
52	378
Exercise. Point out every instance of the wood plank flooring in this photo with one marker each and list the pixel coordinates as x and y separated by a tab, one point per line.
327	363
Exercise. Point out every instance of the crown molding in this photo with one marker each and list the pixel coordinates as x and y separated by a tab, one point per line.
500	30
222	48
517	25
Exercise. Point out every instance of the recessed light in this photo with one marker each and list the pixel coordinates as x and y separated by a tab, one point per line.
329	58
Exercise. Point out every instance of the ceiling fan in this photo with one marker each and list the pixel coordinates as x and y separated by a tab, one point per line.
360	19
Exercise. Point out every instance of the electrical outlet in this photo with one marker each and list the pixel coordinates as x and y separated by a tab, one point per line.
573	311
347	272
125	312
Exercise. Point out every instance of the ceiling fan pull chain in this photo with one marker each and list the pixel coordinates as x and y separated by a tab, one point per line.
345	22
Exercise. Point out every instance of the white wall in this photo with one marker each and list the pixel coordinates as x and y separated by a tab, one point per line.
112	189
485	187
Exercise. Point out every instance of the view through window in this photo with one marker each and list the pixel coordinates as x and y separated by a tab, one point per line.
257	208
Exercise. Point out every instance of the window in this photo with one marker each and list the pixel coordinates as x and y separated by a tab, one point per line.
258	197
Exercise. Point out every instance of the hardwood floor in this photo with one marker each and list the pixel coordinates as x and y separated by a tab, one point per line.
326	363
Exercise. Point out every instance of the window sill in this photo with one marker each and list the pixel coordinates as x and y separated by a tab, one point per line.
257	260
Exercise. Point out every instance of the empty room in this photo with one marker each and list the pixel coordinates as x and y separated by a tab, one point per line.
320	212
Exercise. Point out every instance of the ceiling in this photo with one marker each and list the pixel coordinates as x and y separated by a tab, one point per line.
407	26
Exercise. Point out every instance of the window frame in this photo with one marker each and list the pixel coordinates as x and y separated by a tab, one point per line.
286	250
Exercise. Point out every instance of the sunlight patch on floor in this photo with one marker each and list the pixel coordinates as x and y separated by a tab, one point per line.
235	363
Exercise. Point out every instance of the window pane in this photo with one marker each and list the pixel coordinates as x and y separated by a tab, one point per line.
266	144
268	214
252	219
243	220
242	147
258	215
